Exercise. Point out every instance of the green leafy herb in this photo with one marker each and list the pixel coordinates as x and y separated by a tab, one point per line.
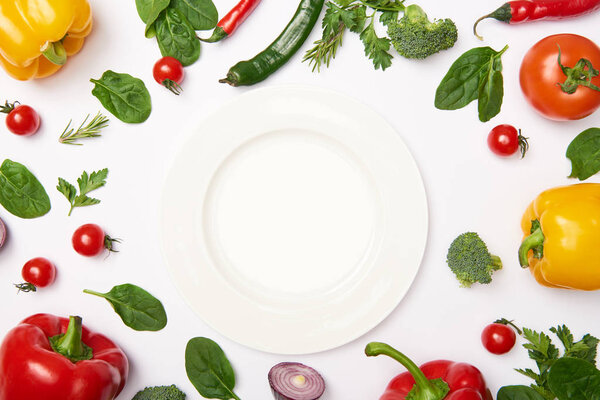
21	194
86	184
138	309
201	14
584	153
477	74
573	378
149	10
124	96
209	369
92	129
518	392
376	48
176	37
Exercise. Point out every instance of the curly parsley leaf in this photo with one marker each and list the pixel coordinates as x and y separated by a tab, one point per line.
87	183
376	48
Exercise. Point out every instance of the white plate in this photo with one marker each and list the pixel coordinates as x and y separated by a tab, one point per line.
294	220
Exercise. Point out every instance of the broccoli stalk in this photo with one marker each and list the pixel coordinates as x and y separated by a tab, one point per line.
414	36
469	259
160	393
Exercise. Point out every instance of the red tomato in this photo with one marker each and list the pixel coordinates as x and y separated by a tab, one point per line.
90	240
39	272
541	75
23	121
505	140
498	338
168	71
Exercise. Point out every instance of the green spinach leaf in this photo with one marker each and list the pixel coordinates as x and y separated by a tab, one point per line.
584	153
138	309
477	74
518	392
176	38
124	96
574	379
20	191
201	14
209	369
148	10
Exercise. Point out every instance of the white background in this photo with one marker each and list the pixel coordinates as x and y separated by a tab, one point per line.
468	189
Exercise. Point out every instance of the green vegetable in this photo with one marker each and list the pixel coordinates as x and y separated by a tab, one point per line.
92	129
280	51
477	74
414	36
201	14
160	393
541	349
21	194
518	392
138	309
209	369
571	378
468	257
86	184
124	96
149	10
176	37
584	153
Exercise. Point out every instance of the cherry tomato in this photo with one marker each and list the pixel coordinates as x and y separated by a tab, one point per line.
37	272
541	75
505	140
498	338
168	71
90	240
22	120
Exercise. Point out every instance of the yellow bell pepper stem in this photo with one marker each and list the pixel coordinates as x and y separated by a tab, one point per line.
55	53
532	242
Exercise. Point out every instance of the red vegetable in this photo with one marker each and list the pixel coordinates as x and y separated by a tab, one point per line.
295	381
515	12
435	380
21	120
51	358
505	140
499	337
229	23
168	71
90	240
37	272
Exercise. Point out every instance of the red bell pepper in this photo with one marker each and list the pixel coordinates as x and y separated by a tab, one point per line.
52	358
435	380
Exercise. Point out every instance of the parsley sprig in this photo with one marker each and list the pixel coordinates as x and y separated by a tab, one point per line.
342	15
86	184
92	129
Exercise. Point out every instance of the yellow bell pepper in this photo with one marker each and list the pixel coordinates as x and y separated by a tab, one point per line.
562	237
33	32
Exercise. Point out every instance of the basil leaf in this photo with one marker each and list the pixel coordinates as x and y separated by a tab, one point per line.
138	309
491	91
20	191
209	370
518	392
148	10
574	379
176	38
124	96
201	14
584	153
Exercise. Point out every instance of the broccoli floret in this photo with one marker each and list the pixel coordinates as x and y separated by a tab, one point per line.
160	393
414	36
469	259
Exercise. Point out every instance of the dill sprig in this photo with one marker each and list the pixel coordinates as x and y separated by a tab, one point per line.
92	129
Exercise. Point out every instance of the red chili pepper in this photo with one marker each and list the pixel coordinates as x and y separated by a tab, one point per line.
435	380
51	358
515	12
229	23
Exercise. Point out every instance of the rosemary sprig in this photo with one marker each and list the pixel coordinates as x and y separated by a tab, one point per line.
92	129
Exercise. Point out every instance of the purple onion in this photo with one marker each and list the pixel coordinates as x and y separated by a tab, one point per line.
295	381
2	232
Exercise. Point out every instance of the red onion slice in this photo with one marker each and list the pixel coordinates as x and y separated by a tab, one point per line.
295	381
2	232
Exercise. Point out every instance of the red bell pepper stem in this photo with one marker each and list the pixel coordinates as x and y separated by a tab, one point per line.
230	22
424	388
70	344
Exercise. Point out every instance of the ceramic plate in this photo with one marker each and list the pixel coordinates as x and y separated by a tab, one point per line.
294	219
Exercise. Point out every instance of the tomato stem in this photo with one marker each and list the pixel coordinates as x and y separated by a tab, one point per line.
26	287
8	107
580	75
523	144
504	321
